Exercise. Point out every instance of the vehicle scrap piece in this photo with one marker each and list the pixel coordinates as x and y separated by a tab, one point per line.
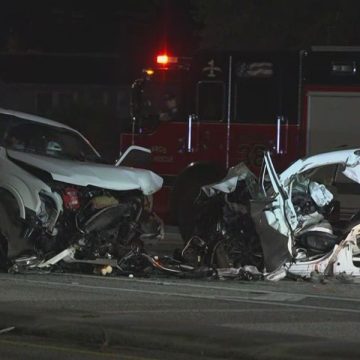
290	222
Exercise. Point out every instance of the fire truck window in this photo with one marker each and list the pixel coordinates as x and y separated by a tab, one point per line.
256	101
165	101
210	100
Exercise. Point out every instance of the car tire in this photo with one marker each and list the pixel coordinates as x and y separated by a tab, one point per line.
187	189
11	228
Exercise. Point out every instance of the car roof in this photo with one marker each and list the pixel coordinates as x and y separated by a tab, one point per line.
35	118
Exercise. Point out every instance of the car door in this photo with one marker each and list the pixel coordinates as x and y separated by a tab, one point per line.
281	214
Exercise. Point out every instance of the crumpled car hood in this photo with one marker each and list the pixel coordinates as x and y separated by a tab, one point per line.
87	173
229	182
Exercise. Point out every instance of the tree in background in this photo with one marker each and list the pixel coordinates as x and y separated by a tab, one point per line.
276	24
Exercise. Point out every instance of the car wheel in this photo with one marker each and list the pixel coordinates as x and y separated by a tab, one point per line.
11	229
187	189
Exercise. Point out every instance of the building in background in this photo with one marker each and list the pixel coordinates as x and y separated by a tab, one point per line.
87	91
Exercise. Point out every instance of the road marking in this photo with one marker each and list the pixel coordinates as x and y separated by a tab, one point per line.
171	311
195	296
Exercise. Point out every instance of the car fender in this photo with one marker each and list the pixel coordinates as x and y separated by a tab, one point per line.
26	195
23	186
15	194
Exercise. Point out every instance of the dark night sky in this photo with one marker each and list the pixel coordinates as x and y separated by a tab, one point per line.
138	28
127	27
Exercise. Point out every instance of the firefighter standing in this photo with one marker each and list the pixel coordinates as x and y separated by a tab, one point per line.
171	111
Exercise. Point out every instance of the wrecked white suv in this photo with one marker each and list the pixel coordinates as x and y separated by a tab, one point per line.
60	202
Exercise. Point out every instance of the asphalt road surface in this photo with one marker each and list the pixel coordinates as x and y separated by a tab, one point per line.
68	316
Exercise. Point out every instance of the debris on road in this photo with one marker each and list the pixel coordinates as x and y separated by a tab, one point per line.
6	330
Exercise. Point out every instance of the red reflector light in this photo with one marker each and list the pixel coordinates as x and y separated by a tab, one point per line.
71	198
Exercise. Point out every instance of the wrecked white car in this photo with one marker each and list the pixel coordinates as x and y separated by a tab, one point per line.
60	202
298	222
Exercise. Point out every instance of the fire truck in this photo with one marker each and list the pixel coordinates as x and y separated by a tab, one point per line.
231	107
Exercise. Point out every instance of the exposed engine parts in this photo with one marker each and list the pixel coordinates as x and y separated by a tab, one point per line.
96	226
62	205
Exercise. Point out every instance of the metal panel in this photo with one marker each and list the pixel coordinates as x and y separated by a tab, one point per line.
333	121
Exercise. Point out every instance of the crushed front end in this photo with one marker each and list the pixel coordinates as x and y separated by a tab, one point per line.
93	227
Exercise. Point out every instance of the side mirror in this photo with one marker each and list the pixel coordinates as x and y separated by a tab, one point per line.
135	156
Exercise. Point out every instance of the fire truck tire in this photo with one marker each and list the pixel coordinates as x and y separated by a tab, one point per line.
186	189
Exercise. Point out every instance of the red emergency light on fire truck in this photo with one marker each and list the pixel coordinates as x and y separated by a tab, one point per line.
201	115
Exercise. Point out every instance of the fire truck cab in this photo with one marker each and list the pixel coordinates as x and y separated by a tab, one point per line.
201	115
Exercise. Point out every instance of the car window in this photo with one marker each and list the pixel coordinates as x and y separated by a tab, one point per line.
50	141
210	100
323	174
332	177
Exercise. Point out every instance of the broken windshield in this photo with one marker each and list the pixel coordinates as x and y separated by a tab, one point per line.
57	142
